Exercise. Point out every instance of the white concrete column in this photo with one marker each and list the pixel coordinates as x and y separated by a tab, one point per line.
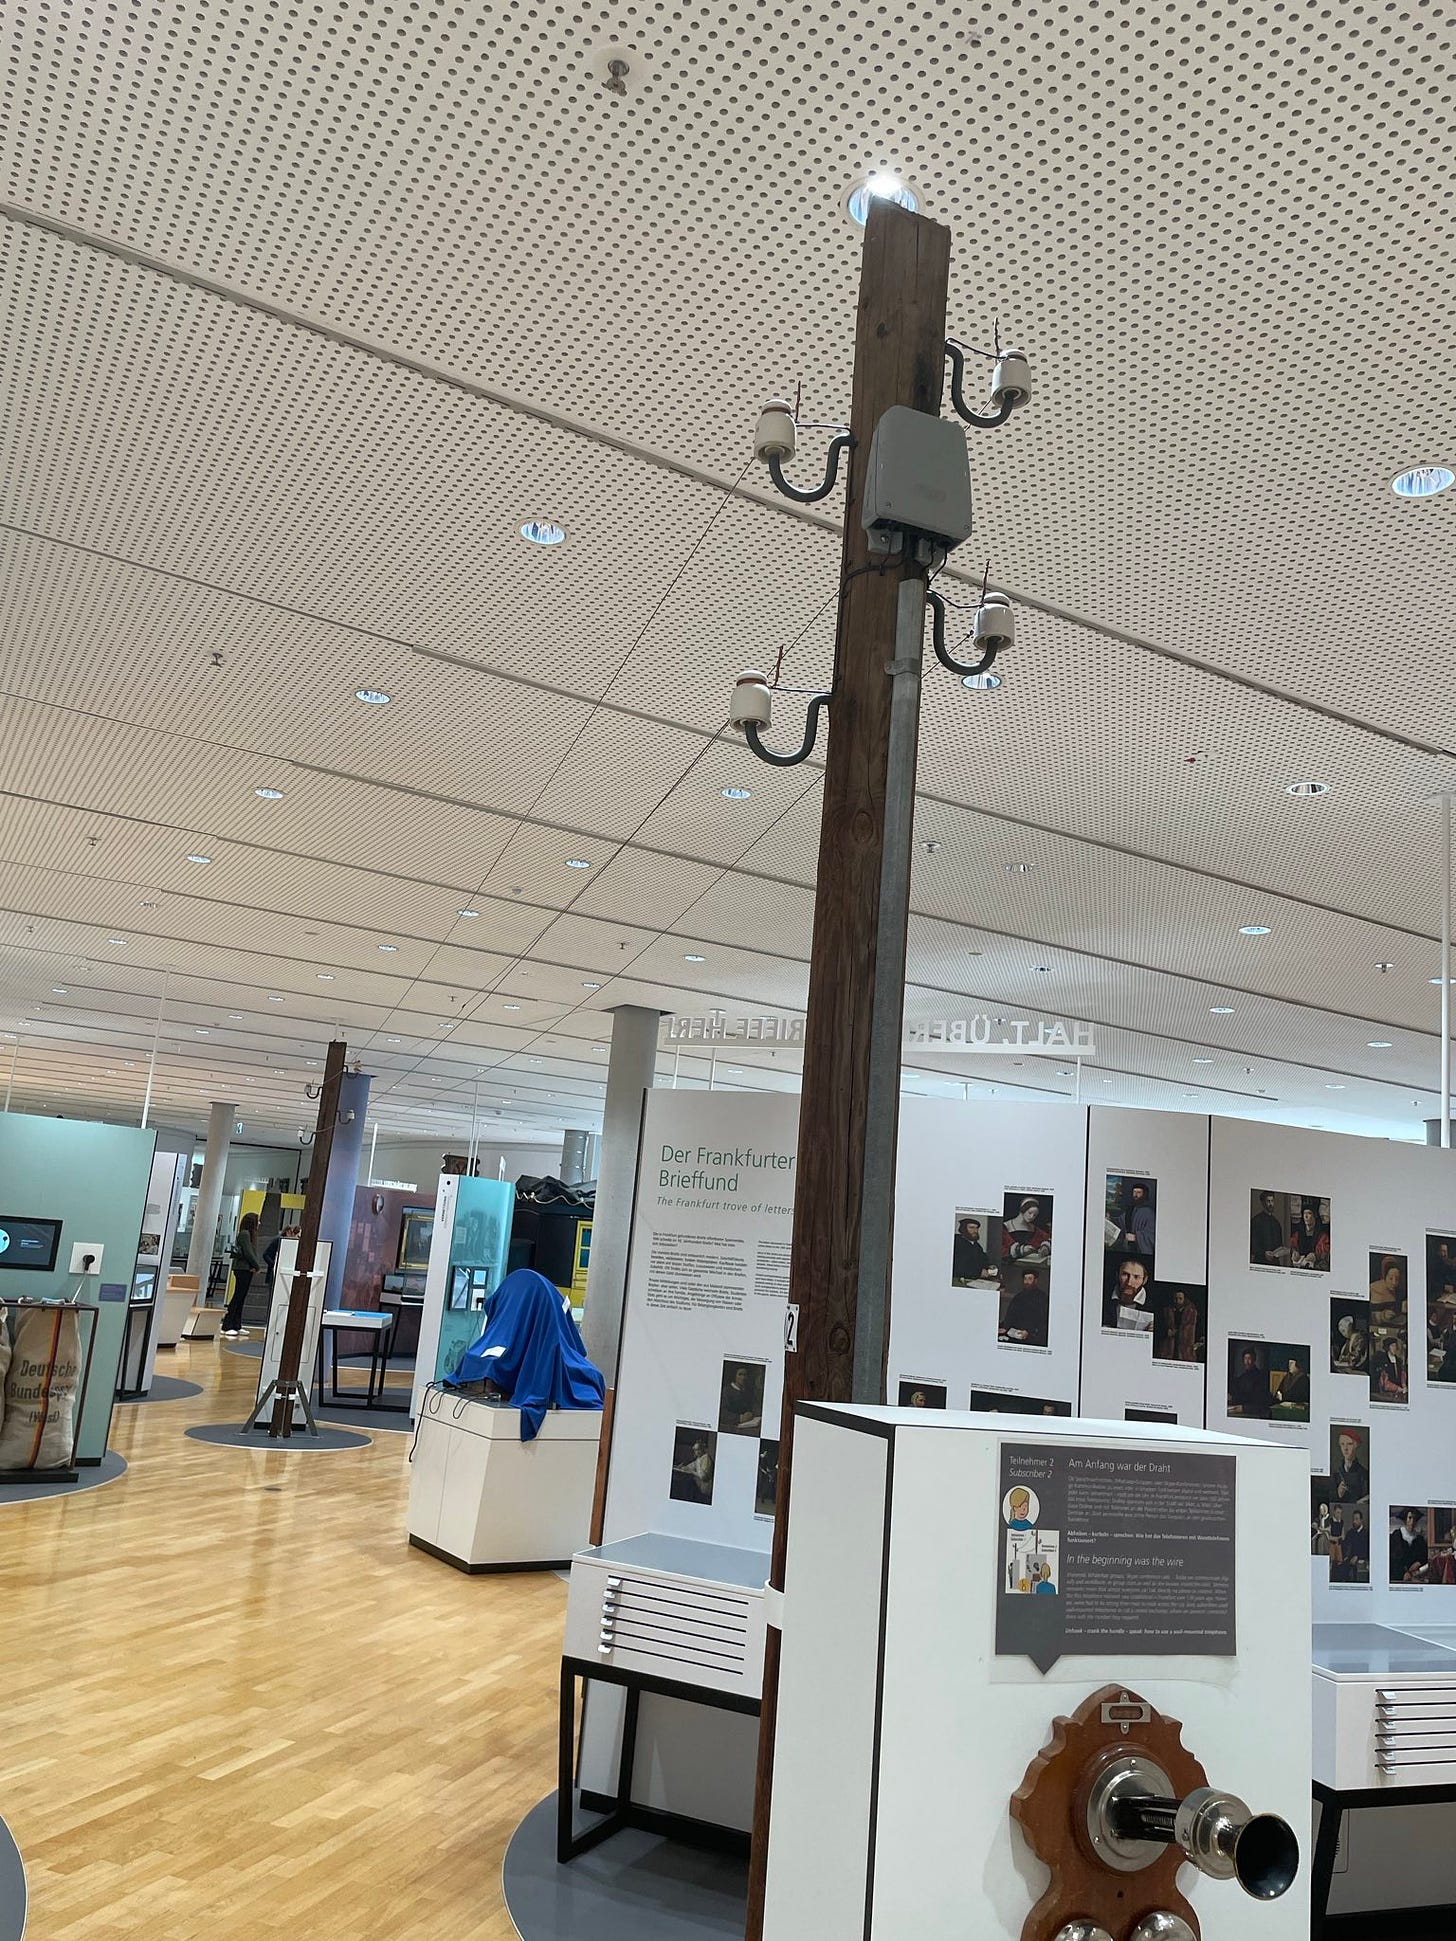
209	1195
630	1072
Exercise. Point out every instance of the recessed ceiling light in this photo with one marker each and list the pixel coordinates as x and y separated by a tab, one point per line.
692	957
372	697
535	1061
1423	481
1020	869
1220	1010
598	1047
467	913
1043	968
235	1017
1334	1088
512	1007
116	940
736	795
1306	788
577	862
199	859
543	532
1254	930
590	984
1437	980
882	185
1379	1044
1385	965
391	1041
1203	1061
325	977
275	1000
981	683
388	947
58	990
269	795
203	1032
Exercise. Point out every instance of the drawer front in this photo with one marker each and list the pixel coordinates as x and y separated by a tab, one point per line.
1415	1732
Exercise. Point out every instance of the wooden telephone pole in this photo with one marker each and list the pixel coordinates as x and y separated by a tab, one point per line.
288	1377
850	1107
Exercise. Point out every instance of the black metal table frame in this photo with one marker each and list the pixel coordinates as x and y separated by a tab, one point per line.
1334	1804
379	1352
623	1812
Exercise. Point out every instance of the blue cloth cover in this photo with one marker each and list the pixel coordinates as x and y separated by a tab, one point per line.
531	1349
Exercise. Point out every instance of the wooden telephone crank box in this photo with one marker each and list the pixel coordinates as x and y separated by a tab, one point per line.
956	1585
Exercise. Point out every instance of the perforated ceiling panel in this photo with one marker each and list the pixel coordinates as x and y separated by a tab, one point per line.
1211	228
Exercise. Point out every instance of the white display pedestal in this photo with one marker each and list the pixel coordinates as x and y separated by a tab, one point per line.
482	1499
901	1732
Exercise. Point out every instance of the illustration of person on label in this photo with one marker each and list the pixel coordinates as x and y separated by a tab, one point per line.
1044	1587
1021	1510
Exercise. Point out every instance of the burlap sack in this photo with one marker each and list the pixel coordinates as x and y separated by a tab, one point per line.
38	1431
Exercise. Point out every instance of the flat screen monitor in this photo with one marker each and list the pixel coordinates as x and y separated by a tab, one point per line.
468	1288
31	1244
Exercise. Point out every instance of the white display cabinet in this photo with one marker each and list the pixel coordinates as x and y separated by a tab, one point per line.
482	1499
902	1733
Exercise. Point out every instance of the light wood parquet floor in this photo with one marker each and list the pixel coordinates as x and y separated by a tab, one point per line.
234	1704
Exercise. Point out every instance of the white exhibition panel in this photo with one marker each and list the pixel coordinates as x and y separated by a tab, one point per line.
437	1277
1384	1199
707	1292
1122	1369
283	1275
924	1822
957	1159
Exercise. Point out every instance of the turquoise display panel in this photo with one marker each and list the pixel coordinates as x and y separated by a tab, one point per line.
479	1244
93	1179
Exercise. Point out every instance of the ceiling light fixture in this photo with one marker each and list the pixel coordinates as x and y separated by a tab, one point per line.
199	859
1203	1061
736	795
1423	481
881	185
1020	869
58	990
372	697
1385	965
325	977
543	532
391	1041
577	862
590	984
116	940
467	913
1306	788
1379	1044
692	957
1334	1088
1220	1010
512	1007
981	683
269	795
275	1000
1254	930
387	947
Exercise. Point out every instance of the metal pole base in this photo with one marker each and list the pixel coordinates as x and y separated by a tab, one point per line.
289	1392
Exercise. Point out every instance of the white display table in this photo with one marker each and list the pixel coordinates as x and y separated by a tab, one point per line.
482	1499
921	1673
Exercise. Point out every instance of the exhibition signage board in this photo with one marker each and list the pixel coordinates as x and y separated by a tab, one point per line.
1295	1286
1105	1549
696	1452
283	1276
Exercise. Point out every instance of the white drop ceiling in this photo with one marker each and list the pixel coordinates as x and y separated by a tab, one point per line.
305	309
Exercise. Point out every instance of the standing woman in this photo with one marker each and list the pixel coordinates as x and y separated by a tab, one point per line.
247	1261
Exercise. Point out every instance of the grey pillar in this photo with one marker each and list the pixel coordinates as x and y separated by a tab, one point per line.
342	1178
574	1148
581	1155
630	1072
209	1194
